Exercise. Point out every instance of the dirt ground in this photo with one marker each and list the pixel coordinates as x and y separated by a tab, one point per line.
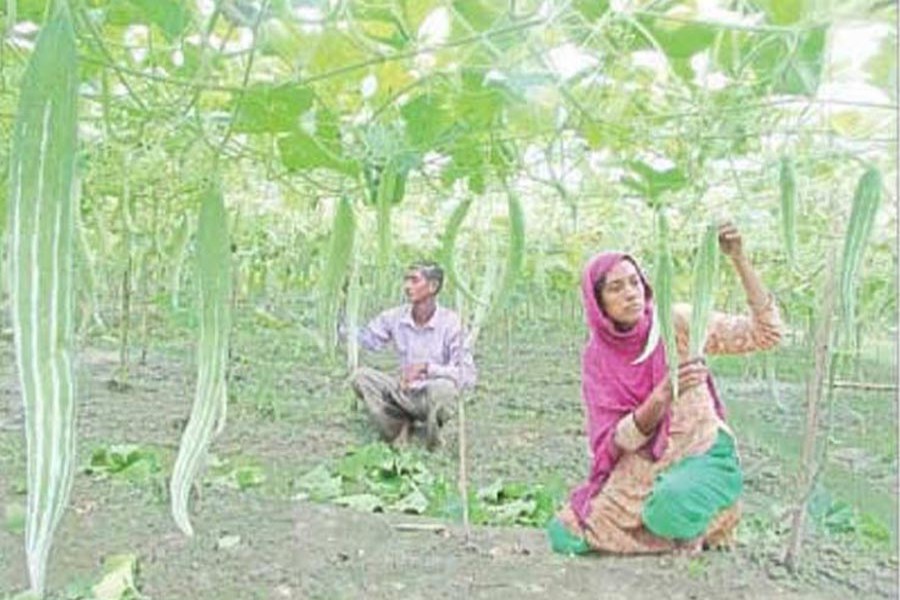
290	416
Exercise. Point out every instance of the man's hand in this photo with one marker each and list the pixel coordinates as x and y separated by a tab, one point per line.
412	373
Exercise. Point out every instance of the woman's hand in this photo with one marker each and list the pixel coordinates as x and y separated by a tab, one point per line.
730	241
691	373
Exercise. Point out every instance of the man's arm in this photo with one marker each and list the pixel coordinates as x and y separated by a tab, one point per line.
461	366
374	336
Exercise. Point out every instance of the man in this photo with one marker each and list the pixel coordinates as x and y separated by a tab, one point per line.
435	361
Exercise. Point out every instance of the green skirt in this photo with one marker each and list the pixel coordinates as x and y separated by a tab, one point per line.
684	498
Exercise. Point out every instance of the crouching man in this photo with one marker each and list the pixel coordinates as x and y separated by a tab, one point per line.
435	362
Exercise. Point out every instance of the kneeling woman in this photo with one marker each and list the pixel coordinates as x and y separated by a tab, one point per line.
665	473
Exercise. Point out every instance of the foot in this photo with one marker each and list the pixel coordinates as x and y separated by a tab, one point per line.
401	440
689	548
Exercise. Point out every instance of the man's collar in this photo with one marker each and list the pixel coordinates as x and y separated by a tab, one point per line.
407	318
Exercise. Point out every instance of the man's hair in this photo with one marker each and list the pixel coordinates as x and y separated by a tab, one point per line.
431	271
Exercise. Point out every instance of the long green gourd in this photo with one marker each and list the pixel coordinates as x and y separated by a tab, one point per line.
866	202
788	184
448	247
706	273
662	289
41	234
391	189
354	300
340	254
515	256
208	413
176	254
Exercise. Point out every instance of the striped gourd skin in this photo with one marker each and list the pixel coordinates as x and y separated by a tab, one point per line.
491	277
788	184
515	256
208	413
41	238
391	188
652	339
176	252
340	253
662	293
706	272
354	299
448	247
866	202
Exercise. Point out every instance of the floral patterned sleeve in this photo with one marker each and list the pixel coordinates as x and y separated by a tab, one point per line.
734	334
740	334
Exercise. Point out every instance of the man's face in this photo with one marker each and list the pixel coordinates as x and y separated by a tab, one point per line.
417	287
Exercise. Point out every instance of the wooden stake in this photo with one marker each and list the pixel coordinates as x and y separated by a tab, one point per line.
822	355
463	483
463	469
866	386
435	527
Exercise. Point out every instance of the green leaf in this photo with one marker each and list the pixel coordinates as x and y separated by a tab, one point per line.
380	24
481	102
171	16
361	502
248	477
510	512
226	542
29	10
479	15
786	62
415	503
785	12
804	68
129	461
427	120
359	462
491	493
841	518
389	487
679	40
467	161
652	183
320	484
591	9
14	519
118	578
271	109
333	50
282	39
300	152
870	527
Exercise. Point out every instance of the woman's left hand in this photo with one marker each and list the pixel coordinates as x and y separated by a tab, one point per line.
730	241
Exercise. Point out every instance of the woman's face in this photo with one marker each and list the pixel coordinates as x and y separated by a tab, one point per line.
622	295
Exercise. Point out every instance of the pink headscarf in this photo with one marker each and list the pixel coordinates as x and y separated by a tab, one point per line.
611	386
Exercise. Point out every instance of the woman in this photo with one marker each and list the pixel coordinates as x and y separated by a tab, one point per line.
665	472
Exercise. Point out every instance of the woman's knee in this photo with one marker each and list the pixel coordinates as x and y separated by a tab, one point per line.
671	512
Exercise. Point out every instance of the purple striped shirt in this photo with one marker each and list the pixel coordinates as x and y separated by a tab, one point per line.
441	342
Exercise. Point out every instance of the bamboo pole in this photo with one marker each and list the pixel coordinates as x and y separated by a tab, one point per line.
463	478
821	356
865	386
